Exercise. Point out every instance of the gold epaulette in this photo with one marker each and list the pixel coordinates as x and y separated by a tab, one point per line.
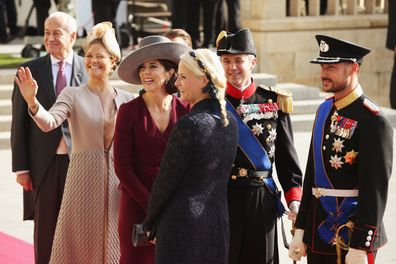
284	101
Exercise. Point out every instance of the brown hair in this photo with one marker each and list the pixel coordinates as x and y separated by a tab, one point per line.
178	32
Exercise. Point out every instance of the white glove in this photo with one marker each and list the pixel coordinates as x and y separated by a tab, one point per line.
356	256
294	206
297	248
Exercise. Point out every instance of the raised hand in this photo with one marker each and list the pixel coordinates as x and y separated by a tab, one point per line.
27	85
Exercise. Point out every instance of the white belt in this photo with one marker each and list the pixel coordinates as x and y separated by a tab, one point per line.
319	192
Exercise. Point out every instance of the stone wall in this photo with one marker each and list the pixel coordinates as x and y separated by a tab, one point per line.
285	46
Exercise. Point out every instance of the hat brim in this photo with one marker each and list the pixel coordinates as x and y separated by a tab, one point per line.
128	70
232	51
326	60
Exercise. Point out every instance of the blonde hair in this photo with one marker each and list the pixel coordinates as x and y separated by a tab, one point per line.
105	33
204	62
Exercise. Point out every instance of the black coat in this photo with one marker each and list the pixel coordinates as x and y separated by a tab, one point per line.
364	163
252	206
189	198
32	148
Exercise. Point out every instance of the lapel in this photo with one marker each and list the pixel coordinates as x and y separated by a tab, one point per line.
78	71
47	83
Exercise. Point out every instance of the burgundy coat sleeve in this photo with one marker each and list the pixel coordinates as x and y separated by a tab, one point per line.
123	157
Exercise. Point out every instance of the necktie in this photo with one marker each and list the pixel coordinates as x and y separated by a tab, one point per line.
60	78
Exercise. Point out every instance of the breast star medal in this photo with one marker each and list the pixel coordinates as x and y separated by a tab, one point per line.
257	129
338	145
336	162
350	157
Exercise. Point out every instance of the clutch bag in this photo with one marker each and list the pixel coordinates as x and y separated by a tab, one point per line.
140	237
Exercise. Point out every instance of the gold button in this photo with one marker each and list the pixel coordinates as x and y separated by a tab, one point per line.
269	126
242	172
269	101
233	177
324	147
327	136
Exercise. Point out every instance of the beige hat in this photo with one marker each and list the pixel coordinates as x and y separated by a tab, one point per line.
106	33
150	48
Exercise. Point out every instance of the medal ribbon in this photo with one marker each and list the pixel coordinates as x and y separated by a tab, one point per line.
336	215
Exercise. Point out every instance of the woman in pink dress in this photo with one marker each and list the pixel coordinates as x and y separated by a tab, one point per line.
142	130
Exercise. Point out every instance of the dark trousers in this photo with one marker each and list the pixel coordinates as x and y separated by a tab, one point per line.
179	14
315	258
393	86
253	234
234	15
105	10
8	18
47	205
193	8
42	7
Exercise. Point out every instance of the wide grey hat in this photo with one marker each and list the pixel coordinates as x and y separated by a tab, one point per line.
150	48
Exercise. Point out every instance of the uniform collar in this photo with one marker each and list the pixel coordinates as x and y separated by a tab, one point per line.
350	98
236	93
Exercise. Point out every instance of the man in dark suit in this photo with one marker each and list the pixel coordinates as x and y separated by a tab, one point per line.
40	159
391	44
349	166
265	137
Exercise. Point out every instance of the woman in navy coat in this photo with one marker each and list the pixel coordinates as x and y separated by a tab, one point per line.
188	204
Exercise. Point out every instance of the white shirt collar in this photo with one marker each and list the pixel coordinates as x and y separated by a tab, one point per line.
68	59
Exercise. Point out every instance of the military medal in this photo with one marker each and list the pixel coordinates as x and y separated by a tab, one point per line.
249	112
336	162
350	157
272	135
257	129
342	126
338	145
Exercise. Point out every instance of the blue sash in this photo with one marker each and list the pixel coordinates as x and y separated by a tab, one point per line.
336	215
257	156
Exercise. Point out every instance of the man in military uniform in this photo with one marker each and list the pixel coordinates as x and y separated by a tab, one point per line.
349	166
265	137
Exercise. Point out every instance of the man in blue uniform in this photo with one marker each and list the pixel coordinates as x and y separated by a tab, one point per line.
265	137
349	166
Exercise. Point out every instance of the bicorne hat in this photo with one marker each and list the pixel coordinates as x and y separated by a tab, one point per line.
150	48
239	43
332	50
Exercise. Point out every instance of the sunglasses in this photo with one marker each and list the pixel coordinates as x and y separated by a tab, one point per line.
200	64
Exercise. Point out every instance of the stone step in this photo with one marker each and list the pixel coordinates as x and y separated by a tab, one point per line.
5	140
5	91
300	91
5	107
5	123
302	123
301	107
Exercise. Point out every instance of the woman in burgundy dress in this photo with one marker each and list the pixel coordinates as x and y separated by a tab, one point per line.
142	130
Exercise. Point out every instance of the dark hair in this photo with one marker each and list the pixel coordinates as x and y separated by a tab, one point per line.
170	86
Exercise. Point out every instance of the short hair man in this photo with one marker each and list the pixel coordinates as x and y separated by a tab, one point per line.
349	166
179	35
265	137
40	159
